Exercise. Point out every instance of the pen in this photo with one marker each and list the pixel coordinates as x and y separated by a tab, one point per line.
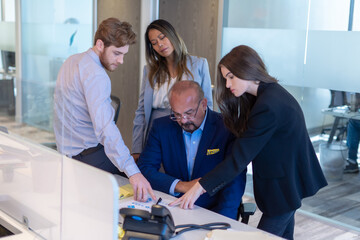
158	201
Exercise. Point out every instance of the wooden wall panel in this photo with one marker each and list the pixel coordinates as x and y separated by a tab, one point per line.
196	22
125	80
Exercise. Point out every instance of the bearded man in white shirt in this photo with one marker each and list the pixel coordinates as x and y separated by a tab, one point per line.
83	116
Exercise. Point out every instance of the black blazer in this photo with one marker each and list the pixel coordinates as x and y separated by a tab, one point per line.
285	166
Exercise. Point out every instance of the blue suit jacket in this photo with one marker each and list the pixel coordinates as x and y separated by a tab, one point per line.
166	146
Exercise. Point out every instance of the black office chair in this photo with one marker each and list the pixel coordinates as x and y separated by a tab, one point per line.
338	98
245	211
116	103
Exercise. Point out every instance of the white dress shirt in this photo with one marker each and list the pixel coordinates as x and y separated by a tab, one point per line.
160	95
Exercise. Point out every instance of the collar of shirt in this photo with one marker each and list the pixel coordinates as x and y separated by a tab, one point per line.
201	128
94	56
191	142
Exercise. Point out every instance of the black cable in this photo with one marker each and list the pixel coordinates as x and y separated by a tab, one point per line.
208	226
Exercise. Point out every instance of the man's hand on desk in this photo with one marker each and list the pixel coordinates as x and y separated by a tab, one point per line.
183	187
189	198
141	187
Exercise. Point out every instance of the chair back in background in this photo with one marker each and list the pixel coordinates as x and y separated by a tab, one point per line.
116	103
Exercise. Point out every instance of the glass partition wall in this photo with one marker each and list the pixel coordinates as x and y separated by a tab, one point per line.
311	48
51	31
42	192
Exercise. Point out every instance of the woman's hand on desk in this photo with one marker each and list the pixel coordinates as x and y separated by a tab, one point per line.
141	187
188	199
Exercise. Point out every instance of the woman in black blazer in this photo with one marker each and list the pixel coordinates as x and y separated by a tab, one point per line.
271	133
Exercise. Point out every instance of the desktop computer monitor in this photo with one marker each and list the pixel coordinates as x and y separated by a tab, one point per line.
8	60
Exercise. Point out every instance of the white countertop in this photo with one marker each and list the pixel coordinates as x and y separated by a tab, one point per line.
25	234
197	215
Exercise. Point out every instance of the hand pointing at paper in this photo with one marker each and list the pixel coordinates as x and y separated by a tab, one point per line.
141	187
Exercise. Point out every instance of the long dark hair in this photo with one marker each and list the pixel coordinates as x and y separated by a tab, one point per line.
244	63
157	64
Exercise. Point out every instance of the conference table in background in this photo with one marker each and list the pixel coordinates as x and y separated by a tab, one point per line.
197	215
339	113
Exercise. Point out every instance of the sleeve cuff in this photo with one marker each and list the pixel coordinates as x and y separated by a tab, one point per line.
131	169
136	148
172	188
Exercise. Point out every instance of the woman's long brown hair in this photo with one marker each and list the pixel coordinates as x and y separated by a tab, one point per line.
244	63
157	64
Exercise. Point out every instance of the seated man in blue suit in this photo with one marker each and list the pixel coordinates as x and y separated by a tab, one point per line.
188	144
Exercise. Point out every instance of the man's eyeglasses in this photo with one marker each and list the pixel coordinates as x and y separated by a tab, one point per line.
187	116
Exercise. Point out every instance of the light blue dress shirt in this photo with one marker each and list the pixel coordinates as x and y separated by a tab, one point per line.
83	115
191	141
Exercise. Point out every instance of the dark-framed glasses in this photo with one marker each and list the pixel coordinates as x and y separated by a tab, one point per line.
191	114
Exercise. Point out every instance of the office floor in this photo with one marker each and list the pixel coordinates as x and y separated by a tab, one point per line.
340	200
23	130
309	227
333	213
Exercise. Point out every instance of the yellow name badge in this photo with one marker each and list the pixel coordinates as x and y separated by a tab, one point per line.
212	151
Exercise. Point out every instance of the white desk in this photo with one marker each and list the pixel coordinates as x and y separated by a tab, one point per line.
59	197
197	215
338	114
21	232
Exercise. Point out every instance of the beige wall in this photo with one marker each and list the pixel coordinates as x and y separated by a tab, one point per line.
196	22
125	80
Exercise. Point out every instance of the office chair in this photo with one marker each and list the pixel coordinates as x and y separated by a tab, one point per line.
116	103
338	98
245	210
